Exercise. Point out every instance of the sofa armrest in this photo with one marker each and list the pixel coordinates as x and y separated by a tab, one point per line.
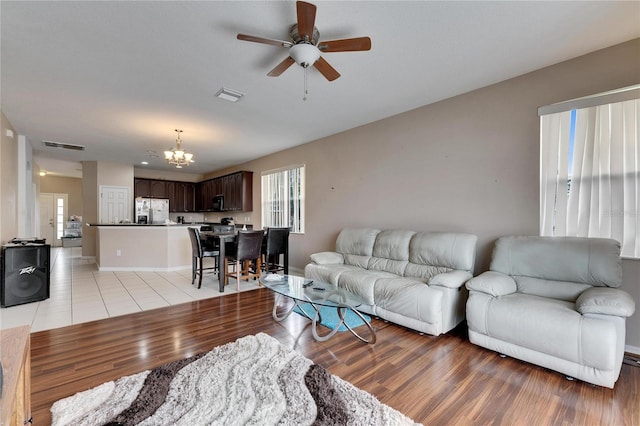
606	301
451	279
493	283
327	258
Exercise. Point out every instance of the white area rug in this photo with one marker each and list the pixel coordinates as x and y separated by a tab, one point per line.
254	380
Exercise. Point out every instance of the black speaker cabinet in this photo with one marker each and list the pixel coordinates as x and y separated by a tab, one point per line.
25	273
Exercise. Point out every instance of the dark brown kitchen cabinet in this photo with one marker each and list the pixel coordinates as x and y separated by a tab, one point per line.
184	197
172	195
237	189
204	198
141	187
158	189
181	195
153	188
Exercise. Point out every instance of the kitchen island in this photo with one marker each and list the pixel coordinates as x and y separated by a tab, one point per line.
133	247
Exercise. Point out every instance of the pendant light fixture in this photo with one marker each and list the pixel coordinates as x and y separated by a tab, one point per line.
177	155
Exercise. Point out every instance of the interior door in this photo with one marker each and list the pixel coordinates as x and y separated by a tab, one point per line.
115	204
47	216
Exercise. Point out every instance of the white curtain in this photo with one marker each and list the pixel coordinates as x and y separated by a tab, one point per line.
283	199
596	192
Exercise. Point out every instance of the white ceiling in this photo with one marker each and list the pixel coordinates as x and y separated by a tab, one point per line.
119	77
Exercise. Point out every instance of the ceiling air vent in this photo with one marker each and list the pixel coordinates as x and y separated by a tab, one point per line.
52	144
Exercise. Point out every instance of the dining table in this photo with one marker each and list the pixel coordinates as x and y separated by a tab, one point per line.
220	239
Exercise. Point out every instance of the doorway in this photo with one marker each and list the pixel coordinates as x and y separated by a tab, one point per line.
53	217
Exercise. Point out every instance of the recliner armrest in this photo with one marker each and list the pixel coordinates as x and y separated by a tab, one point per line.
493	283
451	279
606	301
327	258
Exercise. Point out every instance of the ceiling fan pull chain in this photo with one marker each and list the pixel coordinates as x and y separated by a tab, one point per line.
306	92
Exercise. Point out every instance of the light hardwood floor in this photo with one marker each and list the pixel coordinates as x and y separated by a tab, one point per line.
441	380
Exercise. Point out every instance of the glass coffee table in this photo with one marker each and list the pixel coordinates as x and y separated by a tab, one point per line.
316	294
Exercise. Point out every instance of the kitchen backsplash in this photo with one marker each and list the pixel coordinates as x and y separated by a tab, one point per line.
238	218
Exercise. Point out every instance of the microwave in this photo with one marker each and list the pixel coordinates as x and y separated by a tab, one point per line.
218	203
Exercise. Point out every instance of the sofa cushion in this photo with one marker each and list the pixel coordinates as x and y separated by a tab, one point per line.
592	261
393	244
395	267
451	279
444	250
327	273
414	299
561	290
327	258
492	283
391	251
356	245
361	282
423	273
357	260
551	326
606	301
356	241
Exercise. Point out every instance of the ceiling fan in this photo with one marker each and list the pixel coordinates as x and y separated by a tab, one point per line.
305	47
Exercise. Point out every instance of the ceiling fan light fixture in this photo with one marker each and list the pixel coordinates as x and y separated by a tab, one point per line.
304	54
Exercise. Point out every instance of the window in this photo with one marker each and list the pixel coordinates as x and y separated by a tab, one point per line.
283	198
59	217
590	173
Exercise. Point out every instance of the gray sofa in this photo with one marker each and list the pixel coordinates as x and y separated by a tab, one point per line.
554	302
415	279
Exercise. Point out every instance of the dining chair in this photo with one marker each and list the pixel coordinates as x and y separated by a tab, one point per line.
276	245
246	250
198	253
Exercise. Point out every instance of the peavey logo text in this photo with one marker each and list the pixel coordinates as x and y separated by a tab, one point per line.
28	270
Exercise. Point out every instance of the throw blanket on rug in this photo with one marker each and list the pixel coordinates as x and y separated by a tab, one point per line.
254	380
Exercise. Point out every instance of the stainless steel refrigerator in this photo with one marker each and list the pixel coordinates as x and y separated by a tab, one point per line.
152	210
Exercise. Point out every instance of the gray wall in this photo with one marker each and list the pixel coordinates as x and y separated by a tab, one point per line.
469	163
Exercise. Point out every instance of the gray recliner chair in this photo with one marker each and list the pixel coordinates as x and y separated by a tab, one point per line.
554	302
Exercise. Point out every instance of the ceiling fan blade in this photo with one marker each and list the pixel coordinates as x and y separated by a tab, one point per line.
325	69
281	67
306	19
263	40
345	45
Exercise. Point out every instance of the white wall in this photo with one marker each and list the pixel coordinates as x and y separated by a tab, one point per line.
26	197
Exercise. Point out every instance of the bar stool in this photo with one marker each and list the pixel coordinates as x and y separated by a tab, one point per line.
247	249
277	244
198	253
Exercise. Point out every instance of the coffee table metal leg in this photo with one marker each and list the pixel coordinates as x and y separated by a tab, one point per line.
274	313
317	319
314	328
341	312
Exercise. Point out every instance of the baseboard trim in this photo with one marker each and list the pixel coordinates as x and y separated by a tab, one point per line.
140	269
296	271
633	350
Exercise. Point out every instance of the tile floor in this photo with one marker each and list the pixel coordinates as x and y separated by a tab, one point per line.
80	293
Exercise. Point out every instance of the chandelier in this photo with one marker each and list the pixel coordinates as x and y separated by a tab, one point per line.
177	155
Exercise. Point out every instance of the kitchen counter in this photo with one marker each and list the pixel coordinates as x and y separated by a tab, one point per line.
133	247
138	224
164	224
